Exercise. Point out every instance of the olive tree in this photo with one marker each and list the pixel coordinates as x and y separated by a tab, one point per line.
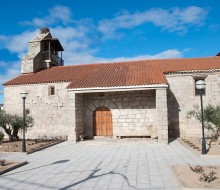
11	124
211	117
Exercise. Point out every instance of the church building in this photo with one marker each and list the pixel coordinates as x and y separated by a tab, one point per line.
143	98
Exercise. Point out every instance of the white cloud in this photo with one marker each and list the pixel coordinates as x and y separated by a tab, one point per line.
81	58
61	13
13	71
19	43
72	39
191	15
77	48
173	20
162	55
57	14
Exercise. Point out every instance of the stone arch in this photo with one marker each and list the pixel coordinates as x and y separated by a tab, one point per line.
99	103
90	108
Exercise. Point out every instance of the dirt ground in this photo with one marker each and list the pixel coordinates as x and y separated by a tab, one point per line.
213	148
192	179
16	146
5	164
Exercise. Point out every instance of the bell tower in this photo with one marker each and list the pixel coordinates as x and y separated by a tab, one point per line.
44	52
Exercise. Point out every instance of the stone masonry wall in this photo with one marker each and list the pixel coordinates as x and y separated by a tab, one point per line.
31	61
133	112
54	115
181	98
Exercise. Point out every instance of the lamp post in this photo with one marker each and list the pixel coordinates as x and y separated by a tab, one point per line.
200	85
23	95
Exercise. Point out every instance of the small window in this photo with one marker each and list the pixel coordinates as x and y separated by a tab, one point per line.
197	92
51	90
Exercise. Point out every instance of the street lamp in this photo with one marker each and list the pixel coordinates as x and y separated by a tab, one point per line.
200	85
23	95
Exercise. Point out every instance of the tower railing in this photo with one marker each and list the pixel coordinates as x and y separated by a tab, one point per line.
47	55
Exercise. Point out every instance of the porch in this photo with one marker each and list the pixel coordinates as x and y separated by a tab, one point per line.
122	113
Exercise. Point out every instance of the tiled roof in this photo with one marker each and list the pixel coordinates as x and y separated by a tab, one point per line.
133	73
190	64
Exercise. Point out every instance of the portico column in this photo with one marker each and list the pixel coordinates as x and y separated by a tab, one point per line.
70	114
162	116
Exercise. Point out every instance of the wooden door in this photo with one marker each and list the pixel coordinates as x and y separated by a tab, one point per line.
102	122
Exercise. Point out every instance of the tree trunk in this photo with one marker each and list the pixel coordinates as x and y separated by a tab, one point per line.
15	134
8	131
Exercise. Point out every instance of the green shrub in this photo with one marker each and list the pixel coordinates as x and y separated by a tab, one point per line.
211	117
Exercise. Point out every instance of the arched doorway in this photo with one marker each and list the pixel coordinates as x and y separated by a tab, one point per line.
102	122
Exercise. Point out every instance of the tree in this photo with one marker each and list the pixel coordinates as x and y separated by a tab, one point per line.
13	123
211	117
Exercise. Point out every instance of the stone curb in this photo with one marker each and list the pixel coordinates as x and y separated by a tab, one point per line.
189	148
209	156
195	188
13	153
196	152
14	167
41	148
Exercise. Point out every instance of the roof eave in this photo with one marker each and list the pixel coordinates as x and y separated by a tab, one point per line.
193	71
118	88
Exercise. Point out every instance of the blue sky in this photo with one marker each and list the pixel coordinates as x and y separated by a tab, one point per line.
93	31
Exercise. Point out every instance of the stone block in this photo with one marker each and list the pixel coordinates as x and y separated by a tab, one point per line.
121	120
91	107
96	103
107	102
128	120
138	116
125	99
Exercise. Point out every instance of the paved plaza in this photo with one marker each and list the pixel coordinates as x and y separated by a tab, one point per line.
101	164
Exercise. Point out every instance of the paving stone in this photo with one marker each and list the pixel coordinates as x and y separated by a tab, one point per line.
101	165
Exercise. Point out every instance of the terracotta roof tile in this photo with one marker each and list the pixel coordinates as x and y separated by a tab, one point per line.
133	73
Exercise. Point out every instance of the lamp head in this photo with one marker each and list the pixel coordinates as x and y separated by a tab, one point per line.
200	84
24	94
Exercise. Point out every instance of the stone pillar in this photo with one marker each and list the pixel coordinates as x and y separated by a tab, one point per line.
162	115
79	115
71	116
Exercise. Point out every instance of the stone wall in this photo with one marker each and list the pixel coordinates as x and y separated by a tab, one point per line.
54	115
133	112
32	60
181	98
